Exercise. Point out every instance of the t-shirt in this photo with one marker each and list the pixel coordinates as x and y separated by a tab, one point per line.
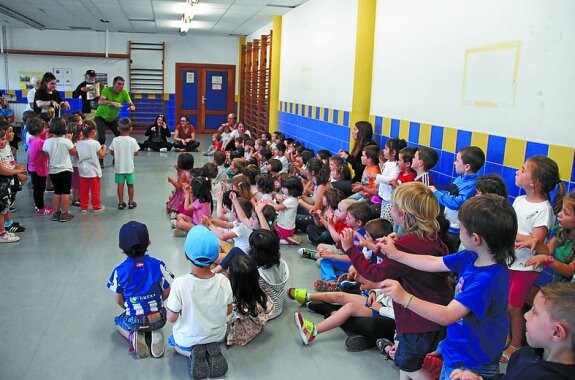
273	281
141	281
58	148
42	94
389	172
405	177
202	304
37	158
285	163
200	209
7	158
243	233
527	364
124	148
529	216
286	217
479	337
88	161
30	99
108	112
425	178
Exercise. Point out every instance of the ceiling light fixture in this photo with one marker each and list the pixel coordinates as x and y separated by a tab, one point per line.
20	17
187	16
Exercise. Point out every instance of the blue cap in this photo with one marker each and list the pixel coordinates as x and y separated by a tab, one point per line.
133	233
202	246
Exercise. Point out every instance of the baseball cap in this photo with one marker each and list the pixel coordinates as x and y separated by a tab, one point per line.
133	233
91	73
201	246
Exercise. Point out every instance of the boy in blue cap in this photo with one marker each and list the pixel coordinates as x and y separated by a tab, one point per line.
141	287
199	305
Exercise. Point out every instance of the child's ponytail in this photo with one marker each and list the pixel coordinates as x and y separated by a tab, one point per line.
546	172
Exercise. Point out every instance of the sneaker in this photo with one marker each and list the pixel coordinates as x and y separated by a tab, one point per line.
325	286
307	253
217	364
76	204
163	150
121	205
173	215
198	363
298	294
342	278
15	227
83	211
173	223
305	328
352	287
359	343
180	233
56	216
66	217
157	349
97	210
132	205
7	237
44	211
49	189
322	308
138	340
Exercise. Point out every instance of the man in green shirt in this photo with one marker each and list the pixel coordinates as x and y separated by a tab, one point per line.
109	106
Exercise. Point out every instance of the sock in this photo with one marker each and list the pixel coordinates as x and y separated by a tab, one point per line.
307	297
8	223
314	333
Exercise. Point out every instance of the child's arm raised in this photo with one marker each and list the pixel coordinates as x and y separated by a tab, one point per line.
421	262
239	211
259	207
443	315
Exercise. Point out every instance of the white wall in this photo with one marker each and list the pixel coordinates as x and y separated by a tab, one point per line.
186	49
420	58
257	35
318	54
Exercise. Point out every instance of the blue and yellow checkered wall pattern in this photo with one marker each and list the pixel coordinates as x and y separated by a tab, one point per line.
323	128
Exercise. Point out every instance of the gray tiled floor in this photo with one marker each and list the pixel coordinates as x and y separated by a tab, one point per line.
56	320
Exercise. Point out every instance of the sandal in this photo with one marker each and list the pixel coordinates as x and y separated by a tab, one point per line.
132	205
121	205
298	294
382	344
507	353
305	328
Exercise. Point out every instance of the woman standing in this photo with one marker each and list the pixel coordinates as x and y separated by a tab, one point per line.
362	134
48	97
185	136
158	134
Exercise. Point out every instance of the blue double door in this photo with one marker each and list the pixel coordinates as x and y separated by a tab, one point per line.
205	93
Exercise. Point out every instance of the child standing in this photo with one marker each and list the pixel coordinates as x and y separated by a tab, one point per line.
140	286
416	210
476	318
199	304
124	148
74	133
389	172
90	152
538	177
467	163
59	148
423	160
252	307
287	210
38	164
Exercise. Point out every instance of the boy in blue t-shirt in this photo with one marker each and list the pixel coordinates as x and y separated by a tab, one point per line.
141	287
476	319
468	162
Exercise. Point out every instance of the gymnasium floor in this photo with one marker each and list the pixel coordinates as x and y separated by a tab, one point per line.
57	315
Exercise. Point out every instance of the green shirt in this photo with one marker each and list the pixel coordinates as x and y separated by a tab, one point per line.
108	112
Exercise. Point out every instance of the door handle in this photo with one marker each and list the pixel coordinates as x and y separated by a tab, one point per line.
204	99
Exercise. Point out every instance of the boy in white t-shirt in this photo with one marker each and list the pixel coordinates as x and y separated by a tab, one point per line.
199	304
124	148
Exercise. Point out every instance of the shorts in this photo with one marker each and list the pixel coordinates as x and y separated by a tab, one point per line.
62	182
137	322
172	342
520	283
284	233
374	313
413	348
128	178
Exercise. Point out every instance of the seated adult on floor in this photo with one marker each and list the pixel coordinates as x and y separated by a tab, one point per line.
158	134
185	136
239	131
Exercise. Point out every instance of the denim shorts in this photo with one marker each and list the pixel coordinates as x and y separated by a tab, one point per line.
413	348
139	322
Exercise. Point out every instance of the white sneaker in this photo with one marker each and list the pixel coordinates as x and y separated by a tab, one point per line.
157	349
173	223
138	340
8	237
163	150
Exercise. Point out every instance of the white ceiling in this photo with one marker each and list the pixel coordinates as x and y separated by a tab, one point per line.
212	17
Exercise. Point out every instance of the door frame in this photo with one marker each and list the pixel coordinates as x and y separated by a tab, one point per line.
202	68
